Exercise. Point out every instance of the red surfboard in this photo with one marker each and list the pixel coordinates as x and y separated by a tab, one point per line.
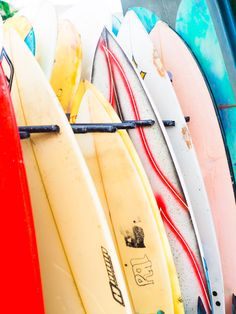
21	290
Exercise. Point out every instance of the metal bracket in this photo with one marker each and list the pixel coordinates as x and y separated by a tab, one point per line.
25	131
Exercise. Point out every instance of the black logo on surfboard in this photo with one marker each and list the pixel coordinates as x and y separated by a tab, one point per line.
116	293
142	270
135	238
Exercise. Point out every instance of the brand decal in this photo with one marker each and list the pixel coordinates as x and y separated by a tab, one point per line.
135	238
142	270
116	292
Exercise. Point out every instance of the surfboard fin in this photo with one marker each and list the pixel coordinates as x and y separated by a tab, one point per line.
200	307
233	304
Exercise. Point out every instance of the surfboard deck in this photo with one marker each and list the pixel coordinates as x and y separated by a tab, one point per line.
128	208
70	191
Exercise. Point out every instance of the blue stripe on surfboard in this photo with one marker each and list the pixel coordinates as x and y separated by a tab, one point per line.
116	23
30	41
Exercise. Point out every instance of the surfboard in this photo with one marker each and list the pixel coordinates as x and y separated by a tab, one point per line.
121	84
20	274
202	39
66	70
127	206
43	18
187	82
89	18
24	28
135	41
78	214
59	290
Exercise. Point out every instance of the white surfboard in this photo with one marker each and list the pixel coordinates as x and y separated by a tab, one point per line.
118	80
135	41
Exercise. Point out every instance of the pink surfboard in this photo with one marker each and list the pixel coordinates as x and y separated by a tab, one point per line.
196	102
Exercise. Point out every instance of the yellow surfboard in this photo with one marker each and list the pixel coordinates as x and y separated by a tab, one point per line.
67	64
59	290
130	207
74	203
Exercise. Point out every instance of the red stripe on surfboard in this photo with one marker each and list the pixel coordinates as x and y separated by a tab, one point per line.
168	220
147	149
158	171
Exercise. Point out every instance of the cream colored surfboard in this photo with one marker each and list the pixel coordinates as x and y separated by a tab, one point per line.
130	207
75	205
59	290
67	64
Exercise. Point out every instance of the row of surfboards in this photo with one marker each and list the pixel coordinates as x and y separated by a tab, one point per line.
136	221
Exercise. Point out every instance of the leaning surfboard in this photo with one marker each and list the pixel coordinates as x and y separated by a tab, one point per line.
85	235
135	41
89	19
132	211
66	70
188	80
195	26
117	79
59	290
20	274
